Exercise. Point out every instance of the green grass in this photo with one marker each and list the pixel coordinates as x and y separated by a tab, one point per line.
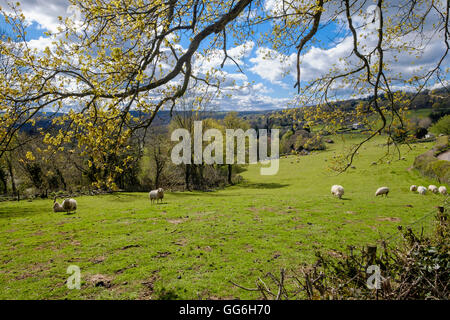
192	244
419	113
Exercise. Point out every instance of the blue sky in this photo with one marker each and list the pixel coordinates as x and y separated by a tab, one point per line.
265	88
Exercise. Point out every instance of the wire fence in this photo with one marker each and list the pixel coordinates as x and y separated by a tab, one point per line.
425	223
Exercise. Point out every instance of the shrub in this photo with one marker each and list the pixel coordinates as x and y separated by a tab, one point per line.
314	142
285	144
432	167
436	115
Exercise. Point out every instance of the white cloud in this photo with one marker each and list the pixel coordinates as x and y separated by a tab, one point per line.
44	12
40	43
271	65
214	58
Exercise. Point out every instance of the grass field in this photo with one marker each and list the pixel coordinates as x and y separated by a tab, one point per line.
192	244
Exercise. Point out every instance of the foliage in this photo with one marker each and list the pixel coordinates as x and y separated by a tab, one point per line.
432	167
115	57
301	140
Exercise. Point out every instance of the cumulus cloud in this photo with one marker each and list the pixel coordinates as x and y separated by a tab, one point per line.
269	66
425	50
214	58
44	12
40	44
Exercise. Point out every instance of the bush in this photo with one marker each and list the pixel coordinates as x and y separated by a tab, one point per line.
312	143
432	167
436	115
442	126
285	143
441	145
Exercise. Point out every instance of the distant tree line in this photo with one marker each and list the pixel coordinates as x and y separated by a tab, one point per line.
35	168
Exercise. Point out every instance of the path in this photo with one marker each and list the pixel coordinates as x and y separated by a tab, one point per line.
444	156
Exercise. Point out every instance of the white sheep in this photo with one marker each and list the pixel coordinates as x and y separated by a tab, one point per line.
381	191
422	190
433	188
413	188
157	194
57	207
337	191
68	205
442	190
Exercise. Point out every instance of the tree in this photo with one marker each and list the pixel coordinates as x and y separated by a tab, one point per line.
442	126
118	56
159	153
232	121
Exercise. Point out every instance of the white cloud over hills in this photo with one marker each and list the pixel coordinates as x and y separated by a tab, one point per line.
269	76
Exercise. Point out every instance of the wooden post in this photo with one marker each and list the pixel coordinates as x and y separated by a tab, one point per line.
371	254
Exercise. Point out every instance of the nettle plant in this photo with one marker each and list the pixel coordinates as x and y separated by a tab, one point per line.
109	58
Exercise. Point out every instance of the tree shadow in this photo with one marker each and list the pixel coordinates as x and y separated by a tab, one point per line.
17	212
262	185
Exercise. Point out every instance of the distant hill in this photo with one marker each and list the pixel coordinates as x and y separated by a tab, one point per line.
437	101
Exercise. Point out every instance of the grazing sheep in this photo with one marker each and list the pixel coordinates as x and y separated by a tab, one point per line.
157	194
442	190
422	190
57	207
337	191
433	188
381	191
413	188
68	205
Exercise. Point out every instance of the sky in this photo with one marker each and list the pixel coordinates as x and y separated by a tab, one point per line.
265	84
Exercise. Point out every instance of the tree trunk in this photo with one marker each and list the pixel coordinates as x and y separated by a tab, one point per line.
61	178
157	175
230	173
11	174
187	176
3	180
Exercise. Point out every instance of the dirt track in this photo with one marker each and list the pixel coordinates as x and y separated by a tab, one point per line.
444	156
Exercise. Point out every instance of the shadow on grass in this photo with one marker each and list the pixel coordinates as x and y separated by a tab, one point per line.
13	212
261	185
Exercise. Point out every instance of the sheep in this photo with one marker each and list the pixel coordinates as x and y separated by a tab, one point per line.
433	188
381	191
157	194
57	207
68	205
413	188
442	190
337	191
422	190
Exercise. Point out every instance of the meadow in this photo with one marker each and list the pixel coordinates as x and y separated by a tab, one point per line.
192	245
